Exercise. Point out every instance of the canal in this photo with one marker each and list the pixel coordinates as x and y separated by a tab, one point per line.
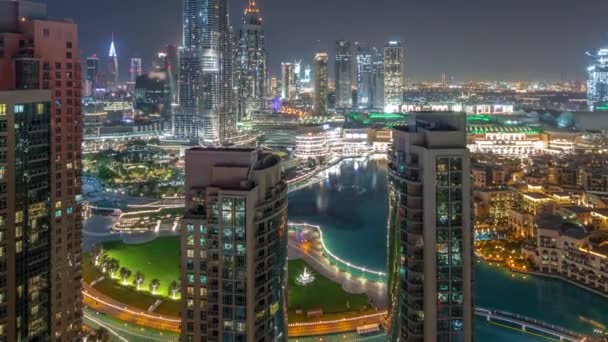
350	206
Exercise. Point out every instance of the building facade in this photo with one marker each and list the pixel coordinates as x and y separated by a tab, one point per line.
364	77
136	68
343	69
321	84
377	79
206	72
430	232
393	76
234	247
288	84
252	63
597	80
41	54
92	80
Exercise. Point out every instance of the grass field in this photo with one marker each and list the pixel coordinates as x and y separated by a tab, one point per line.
323	294
157	259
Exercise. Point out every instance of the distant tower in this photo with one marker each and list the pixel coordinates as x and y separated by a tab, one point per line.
306	81
377	79
287	81
393	76
343	70
135	68
321	83
297	77
92	76
113	65
597	80
364	77
252	62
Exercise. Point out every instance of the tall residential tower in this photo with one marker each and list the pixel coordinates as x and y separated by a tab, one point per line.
252	64
343	70
393	76
40	212
430	231
321	84
597	80
233	247
364	77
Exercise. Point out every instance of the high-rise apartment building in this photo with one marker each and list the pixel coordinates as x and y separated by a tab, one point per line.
288	84
252	62
343	70
233	246
136	69
205	78
321	84
364	77
393	76
41	56
92	76
430	230
597	80
377	79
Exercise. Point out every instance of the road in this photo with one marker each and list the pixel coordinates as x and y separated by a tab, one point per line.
121	332
333	327
104	304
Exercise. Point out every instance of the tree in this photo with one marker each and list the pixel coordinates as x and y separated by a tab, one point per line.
154	284
124	274
96	253
113	266
139	279
173	289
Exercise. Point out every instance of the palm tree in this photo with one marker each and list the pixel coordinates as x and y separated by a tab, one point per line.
154	284
124	274
139	279
102	335
113	266
173	288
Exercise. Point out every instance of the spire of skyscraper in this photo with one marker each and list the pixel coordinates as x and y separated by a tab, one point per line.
112	48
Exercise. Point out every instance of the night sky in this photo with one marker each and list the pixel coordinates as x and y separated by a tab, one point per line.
467	39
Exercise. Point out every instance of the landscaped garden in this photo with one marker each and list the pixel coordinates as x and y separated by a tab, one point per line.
140	274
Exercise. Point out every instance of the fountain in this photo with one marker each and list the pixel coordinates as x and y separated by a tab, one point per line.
306	278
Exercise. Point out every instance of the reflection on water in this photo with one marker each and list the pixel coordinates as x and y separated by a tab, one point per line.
350	206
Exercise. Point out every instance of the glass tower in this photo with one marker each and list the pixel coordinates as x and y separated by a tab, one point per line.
430	231
321	84
597	80
393	76
364	77
377	79
343	69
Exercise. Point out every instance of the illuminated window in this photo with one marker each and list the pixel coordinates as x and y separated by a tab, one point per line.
2	172
2	109
19	217
58	205
19	246
40	108
19	108
70	210
203	279
58	213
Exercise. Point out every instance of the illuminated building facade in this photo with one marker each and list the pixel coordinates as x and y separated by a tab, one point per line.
343	71
288	81
364	77
113	71
502	139
393	76
41	56
92	77
205	78
377	79
597	80
251	63
321	84
233	247
136	69
430	231
318	141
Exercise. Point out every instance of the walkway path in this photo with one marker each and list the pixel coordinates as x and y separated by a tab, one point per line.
314	257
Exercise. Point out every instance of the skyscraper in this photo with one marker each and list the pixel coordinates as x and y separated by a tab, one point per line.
288	84
205	80
597	80
377	79
344	70
40	86
113	72
233	246
430	230
393	76
135	70
364	77
92	76
321	83
252	64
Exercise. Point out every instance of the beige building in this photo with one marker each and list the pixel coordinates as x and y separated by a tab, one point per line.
233	246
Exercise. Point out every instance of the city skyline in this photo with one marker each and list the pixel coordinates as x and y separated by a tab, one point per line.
480	37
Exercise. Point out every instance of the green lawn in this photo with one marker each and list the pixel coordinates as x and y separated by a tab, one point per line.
158	259
125	294
323	293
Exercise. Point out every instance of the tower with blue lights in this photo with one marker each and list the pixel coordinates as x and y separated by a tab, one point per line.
113	73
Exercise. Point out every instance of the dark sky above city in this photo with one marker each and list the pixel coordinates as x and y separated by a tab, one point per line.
467	39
